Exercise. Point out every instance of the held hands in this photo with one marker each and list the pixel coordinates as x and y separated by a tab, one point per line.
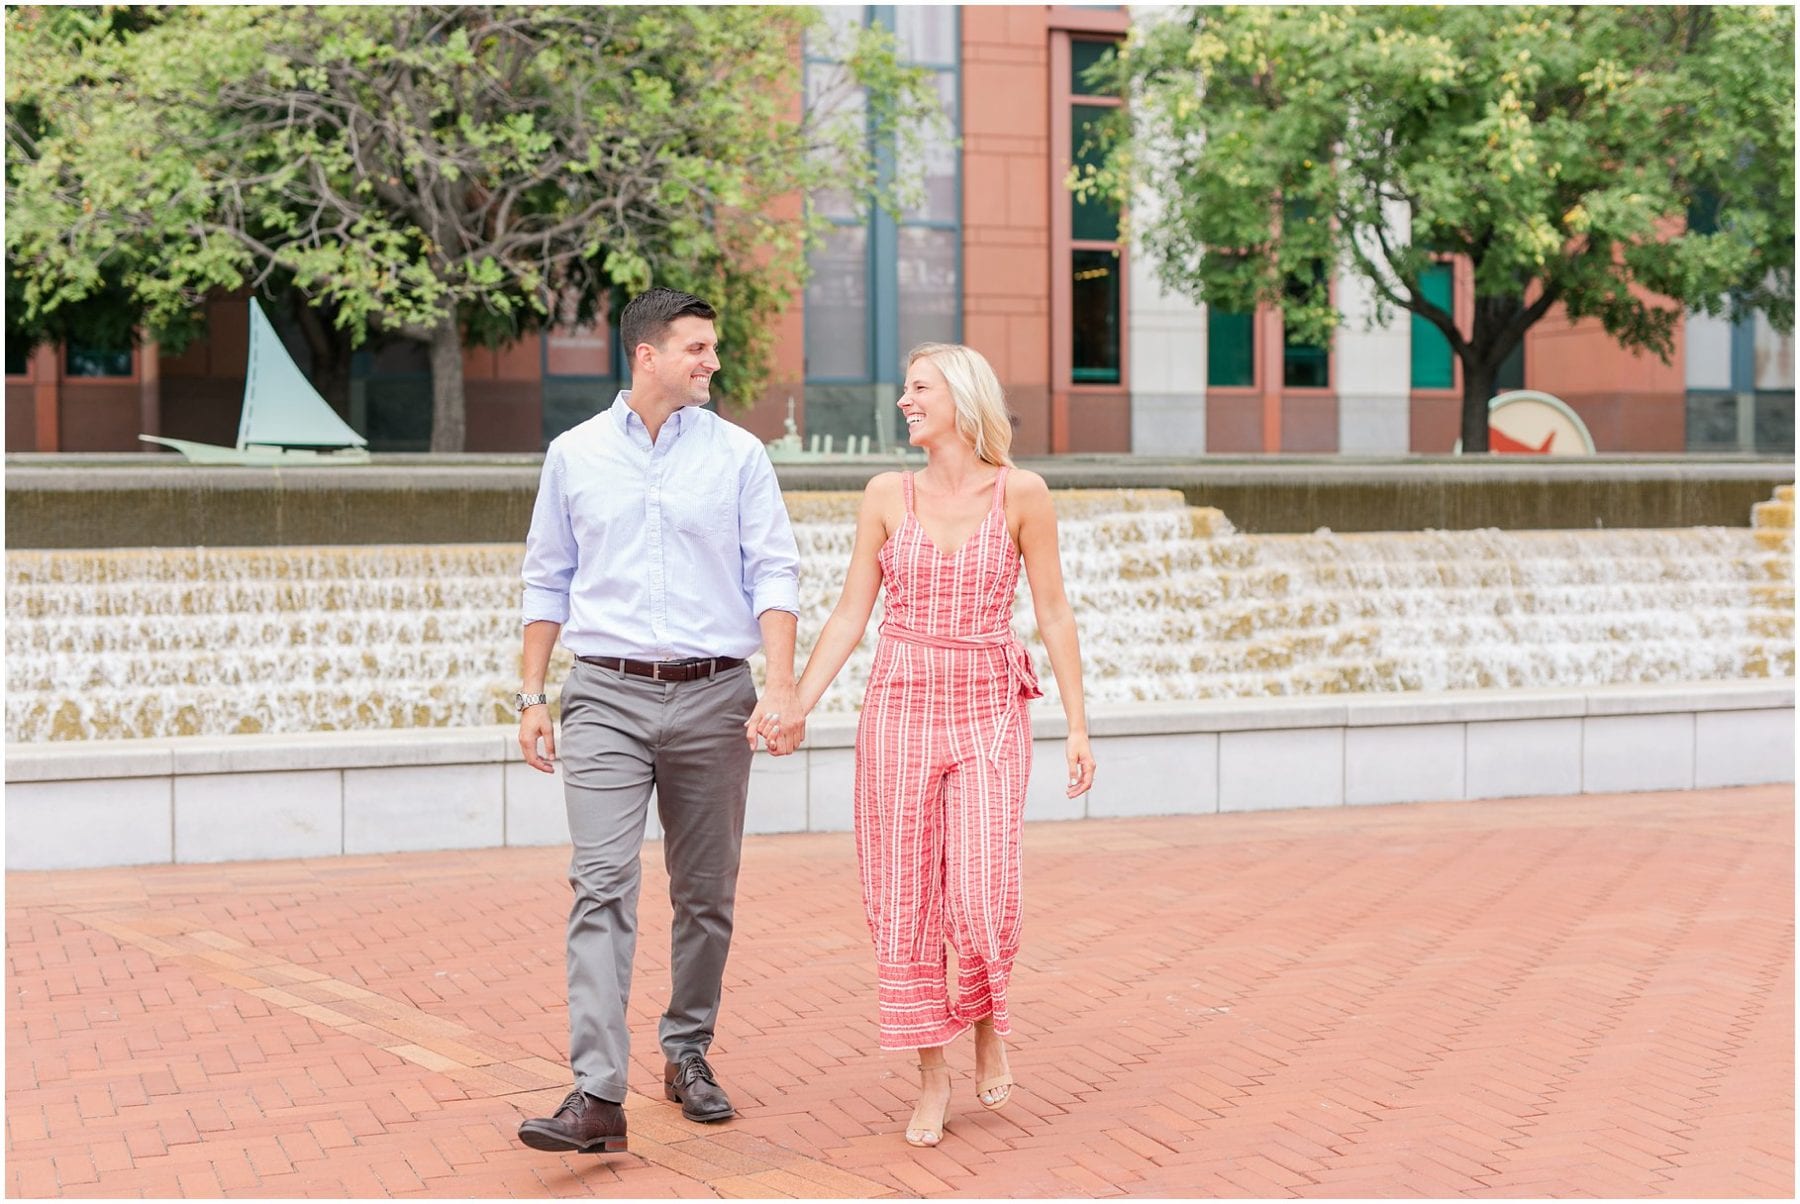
535	725
784	735
1081	765
778	721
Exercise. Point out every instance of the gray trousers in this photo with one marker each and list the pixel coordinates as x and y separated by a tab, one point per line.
622	735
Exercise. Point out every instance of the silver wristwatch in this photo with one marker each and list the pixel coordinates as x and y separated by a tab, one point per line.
521	701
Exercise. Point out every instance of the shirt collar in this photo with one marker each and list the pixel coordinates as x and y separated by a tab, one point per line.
628	421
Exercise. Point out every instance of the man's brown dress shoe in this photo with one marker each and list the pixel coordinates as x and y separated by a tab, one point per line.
585	1124
691	1084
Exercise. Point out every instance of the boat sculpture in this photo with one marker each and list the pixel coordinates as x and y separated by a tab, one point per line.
285	421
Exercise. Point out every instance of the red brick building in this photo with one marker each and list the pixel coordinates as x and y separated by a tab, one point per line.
1096	358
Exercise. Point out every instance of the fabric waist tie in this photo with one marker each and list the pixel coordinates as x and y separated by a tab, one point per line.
1020	671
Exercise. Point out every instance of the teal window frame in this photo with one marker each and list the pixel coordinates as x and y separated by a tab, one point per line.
1223	328
1433	360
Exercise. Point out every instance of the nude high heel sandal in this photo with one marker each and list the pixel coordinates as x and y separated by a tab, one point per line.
926	1136
993	1092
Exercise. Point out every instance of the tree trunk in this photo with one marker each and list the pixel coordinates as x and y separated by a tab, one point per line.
1489	341
447	424
1478	389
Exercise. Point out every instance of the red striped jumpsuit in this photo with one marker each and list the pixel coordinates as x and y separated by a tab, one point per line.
943	750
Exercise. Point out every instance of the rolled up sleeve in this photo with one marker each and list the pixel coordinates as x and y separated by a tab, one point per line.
771	557
550	548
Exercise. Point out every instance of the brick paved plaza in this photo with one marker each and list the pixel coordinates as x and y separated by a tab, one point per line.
1585	996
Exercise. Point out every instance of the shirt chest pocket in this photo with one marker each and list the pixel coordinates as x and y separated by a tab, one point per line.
706	508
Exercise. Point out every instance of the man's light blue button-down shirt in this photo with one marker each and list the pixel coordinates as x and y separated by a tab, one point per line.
659	551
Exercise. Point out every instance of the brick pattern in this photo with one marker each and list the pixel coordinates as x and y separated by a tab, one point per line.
1574	996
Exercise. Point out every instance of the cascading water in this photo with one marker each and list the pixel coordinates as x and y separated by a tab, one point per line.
1171	602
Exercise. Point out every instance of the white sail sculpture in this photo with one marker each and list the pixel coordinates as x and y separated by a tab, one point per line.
285	421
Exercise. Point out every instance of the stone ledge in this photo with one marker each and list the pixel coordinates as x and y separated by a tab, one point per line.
1372	710
198	755
330	793
84	759
1693	696
137	500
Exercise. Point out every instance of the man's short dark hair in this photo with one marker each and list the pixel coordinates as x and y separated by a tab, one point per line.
648	316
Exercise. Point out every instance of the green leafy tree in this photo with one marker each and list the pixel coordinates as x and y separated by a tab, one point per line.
97	306
1559	150
439	174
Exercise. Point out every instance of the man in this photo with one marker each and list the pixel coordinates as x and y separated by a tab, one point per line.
660	551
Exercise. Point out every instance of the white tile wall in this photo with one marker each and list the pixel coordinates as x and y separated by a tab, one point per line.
1166	759
777	794
1374	424
1047	794
394	810
1302	767
1168	424
1413	763
1743	748
1637	752
1155	775
83	823
535	813
830	790
1517	757
259	816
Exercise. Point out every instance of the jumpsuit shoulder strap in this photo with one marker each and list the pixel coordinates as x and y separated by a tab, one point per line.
1000	490
906	489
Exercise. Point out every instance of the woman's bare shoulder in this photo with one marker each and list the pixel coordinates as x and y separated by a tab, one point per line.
1024	485
883	485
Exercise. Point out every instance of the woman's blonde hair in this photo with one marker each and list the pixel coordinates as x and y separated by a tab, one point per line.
981	416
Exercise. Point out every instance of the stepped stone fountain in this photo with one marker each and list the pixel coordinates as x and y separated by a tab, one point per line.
1174	604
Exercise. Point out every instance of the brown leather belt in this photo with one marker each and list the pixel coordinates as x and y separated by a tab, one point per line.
687	670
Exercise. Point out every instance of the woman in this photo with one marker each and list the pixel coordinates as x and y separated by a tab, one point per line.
943	746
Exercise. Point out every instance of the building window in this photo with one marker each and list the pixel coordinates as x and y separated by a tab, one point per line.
1230	349
86	359
1092	219
837	306
1096	259
878	286
926	265
1433	362
18	356
1095	308
1304	365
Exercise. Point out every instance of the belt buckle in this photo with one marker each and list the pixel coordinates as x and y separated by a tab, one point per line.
655	670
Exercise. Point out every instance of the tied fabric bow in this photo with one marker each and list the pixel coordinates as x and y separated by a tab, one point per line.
1019	668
